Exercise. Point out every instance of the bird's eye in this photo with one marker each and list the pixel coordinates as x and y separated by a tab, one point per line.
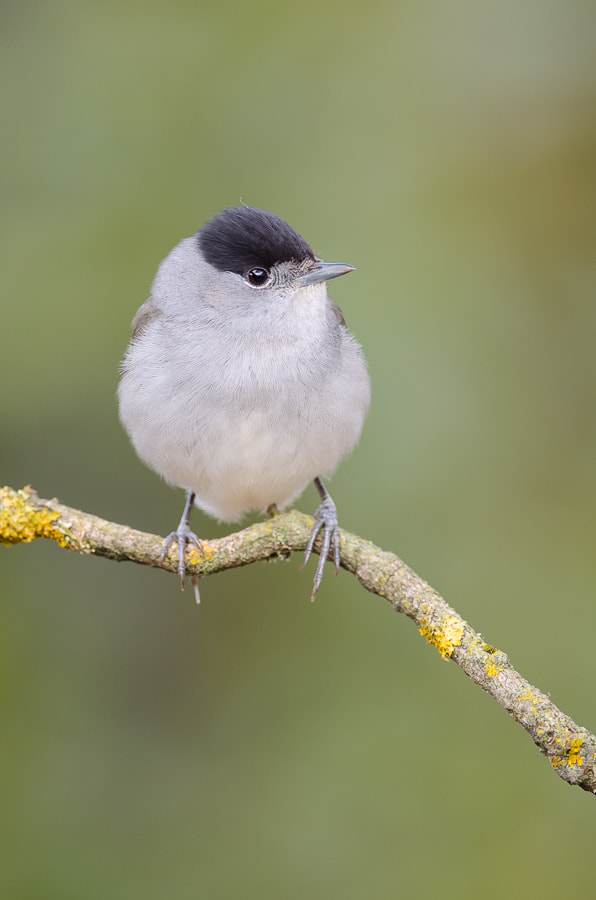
258	276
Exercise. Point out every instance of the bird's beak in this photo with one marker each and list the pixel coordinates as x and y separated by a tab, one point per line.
322	271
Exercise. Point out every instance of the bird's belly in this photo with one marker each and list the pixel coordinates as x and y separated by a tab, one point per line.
243	444
236	463
251	463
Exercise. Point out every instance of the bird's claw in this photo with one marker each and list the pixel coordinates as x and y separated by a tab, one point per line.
183	538
325	518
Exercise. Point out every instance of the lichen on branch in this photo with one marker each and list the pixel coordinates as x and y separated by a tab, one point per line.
570	749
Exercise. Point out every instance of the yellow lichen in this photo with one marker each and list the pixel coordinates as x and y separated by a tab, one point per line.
445	635
195	556
571	756
382	584
492	669
21	521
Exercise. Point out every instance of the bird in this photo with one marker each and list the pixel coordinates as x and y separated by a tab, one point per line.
242	383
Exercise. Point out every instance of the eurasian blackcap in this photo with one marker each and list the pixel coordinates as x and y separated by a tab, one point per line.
242	383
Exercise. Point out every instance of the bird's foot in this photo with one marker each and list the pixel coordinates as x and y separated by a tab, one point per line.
325	518
183	538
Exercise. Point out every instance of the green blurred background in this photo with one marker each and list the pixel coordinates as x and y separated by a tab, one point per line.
260	746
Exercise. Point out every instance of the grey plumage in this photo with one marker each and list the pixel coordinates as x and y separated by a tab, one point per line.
242	393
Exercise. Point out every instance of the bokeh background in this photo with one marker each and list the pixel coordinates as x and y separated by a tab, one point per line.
260	746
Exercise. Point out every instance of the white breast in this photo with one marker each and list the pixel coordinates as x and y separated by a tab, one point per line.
245	417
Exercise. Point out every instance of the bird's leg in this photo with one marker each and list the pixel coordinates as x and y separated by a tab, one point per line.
325	517
183	537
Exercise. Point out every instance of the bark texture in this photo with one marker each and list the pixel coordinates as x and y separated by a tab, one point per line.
570	749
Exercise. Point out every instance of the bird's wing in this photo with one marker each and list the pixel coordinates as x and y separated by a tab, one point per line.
145	314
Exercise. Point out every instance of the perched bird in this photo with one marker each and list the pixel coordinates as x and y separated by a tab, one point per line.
242	383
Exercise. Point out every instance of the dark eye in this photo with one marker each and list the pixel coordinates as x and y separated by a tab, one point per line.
258	276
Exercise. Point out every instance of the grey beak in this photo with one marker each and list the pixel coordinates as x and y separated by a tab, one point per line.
322	271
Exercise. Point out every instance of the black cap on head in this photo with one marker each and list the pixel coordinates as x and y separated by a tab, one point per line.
242	237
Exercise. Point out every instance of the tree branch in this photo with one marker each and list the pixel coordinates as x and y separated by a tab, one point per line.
570	749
